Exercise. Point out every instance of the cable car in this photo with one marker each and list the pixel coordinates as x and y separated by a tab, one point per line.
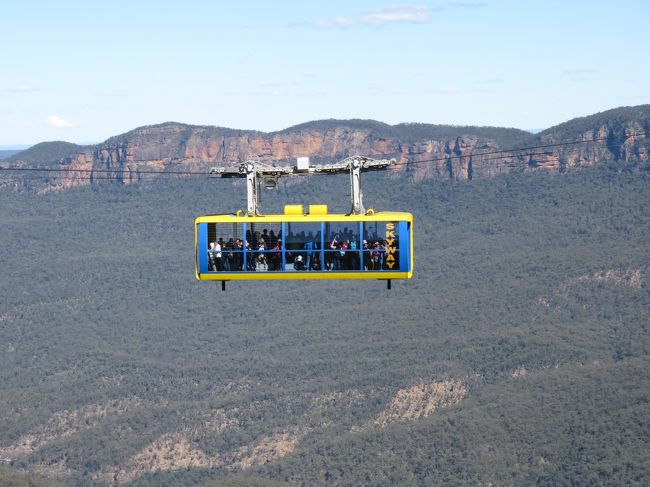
299	244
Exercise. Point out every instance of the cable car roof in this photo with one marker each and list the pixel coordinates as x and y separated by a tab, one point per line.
294	215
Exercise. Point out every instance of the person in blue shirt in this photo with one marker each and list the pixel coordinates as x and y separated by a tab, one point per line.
310	246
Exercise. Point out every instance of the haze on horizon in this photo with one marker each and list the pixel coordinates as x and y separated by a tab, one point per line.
81	72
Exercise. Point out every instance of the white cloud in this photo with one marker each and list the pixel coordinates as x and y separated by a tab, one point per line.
443	90
488	81
21	89
574	71
278	84
468	4
58	122
400	13
580	75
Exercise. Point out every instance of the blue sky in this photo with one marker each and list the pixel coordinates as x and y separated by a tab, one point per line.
83	71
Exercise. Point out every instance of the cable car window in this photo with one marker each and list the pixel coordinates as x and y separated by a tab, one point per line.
342	247
381	246
303	244
262	246
225	246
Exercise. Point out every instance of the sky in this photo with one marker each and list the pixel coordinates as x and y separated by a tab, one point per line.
83	71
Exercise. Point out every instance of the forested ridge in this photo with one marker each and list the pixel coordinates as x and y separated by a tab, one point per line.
517	354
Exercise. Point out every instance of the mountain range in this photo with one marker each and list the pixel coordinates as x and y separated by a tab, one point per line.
518	354
423	151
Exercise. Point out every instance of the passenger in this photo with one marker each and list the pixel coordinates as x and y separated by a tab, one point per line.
276	257
316	263
262	264
212	263
239	255
299	263
377	257
250	257
354	255
310	246
272	239
228	257
367	256
218	255
345	255
334	255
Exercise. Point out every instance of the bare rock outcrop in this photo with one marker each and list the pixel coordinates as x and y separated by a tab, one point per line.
422	400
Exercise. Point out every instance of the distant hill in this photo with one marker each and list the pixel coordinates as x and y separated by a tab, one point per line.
415	132
424	151
636	118
45	154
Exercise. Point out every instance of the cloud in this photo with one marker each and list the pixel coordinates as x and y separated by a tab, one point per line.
108	94
21	89
447	90
580	75
580	71
267	93
278	84
393	14
312	93
468	4
489	81
58	122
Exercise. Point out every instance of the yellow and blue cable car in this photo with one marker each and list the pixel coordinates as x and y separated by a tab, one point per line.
299	244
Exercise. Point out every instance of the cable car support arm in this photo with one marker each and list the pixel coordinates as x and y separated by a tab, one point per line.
251	170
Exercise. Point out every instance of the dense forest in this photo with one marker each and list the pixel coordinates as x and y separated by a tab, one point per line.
518	354
14	478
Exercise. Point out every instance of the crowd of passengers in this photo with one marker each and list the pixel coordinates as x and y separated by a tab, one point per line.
264	252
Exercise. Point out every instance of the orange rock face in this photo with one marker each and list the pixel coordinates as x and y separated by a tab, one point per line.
172	146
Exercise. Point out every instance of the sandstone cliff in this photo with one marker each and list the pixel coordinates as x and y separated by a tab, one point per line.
422	151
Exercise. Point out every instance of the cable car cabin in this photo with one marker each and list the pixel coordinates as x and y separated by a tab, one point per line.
316	245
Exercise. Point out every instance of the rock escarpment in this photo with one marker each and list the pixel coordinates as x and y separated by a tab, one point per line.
422	151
